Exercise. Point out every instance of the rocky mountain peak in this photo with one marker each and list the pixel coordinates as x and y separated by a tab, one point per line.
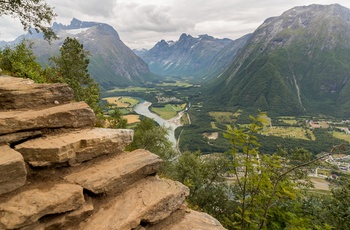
184	37
162	44
74	24
112	63
188	56
313	21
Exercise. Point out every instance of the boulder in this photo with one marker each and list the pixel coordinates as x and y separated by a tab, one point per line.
67	221
114	174
148	201
13	173
75	146
72	115
27	207
15	92
188	220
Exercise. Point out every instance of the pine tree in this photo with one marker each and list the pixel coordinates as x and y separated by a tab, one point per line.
71	67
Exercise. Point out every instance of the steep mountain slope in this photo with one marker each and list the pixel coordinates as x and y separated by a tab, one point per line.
296	63
112	63
189	56
225	57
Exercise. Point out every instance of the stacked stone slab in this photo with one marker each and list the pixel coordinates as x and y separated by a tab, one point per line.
59	172
13	173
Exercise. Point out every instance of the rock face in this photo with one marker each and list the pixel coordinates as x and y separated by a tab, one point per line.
90	184
73	115
27	207
114	174
187	220
149	200
75	146
15	96
13	173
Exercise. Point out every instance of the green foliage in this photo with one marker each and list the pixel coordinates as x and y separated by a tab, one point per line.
71	67
265	187
19	61
331	210
203	175
149	136
31	13
115	119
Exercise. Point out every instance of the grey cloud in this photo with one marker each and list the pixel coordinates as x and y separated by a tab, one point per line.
142	23
90	8
133	17
10	28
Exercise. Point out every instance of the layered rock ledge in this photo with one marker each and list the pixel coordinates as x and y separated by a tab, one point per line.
27	207
14	94
74	146
59	172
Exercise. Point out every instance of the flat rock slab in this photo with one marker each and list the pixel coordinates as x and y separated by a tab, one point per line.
13	173
74	146
66	221
20	136
115	173
18	93
188	220
72	115
150	200
25	208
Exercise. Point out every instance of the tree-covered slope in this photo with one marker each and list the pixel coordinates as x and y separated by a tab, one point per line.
296	63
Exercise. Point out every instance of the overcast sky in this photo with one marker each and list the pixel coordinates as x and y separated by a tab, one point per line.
142	23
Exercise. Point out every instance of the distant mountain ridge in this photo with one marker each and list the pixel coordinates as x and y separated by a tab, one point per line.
189	56
112	63
296	63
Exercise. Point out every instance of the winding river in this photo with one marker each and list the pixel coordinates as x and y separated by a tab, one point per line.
143	109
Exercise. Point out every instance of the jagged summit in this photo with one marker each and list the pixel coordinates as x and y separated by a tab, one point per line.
74	24
189	56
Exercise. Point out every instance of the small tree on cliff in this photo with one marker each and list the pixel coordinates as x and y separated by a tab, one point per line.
71	67
19	61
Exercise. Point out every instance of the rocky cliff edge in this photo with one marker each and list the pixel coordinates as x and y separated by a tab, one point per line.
57	171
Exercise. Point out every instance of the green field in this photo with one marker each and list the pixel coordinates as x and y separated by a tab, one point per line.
290	122
177	83
222	117
131	89
132	118
287	132
342	136
168	111
122	102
